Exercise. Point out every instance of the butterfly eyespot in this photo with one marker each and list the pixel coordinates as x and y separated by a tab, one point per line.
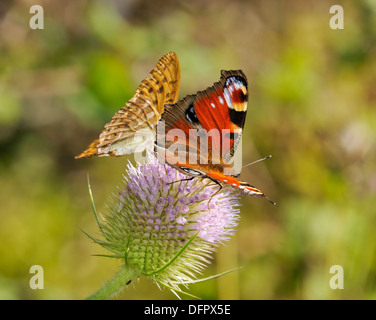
235	91
191	115
238	81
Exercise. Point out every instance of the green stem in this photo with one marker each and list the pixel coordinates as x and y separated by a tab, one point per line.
117	283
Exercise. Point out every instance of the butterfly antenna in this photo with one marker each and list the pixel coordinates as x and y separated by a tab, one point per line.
259	160
270	200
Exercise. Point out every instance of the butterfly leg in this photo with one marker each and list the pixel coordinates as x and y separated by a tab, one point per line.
220	188
187	179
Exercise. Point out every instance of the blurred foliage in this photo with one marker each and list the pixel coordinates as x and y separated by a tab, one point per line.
312	106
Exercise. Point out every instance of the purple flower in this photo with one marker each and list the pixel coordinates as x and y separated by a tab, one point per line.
165	227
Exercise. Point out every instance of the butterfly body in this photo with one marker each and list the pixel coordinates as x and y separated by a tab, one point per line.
221	179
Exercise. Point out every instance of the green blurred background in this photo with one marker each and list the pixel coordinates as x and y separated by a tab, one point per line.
312	106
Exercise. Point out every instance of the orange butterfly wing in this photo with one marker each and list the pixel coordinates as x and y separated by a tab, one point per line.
133	126
217	117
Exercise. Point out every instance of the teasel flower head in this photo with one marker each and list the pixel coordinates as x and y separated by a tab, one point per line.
164	226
